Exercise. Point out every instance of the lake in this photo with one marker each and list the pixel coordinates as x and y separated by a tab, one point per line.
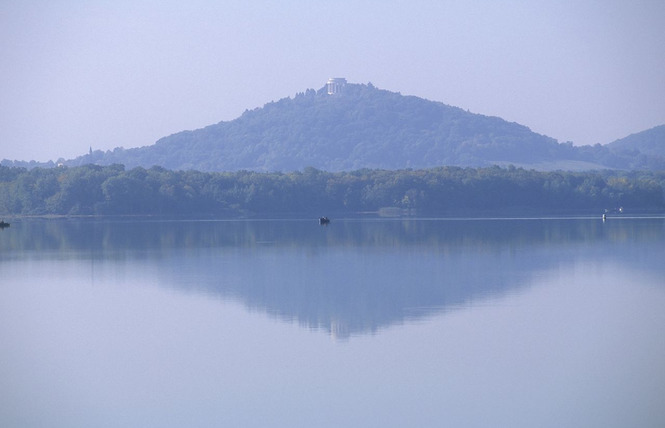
360	323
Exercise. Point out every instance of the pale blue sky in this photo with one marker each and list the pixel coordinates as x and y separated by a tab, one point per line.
76	74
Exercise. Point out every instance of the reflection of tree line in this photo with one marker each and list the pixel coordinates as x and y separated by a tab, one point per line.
111	236
352	277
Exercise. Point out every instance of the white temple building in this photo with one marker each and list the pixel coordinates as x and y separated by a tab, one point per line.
335	85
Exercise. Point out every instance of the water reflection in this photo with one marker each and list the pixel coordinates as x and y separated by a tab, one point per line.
352	277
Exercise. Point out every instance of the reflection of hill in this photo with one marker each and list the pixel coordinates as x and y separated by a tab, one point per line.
360	290
351	277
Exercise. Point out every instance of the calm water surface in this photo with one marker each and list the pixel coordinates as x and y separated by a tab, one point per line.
368	323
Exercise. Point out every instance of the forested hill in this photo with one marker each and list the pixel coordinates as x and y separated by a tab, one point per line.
362	127
366	127
650	142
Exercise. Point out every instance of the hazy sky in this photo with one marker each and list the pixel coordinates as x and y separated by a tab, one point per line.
75	74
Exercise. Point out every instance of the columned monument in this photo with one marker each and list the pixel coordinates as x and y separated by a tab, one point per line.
335	85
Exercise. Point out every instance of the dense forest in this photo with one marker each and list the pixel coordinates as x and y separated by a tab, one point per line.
114	190
367	127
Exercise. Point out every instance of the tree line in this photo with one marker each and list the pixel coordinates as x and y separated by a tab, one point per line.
114	190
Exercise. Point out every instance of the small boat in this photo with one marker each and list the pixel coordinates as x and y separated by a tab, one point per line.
3	224
324	220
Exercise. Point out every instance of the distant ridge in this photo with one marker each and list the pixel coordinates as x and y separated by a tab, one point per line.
649	142
354	126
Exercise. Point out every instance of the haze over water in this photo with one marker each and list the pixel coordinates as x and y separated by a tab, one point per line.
365	322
